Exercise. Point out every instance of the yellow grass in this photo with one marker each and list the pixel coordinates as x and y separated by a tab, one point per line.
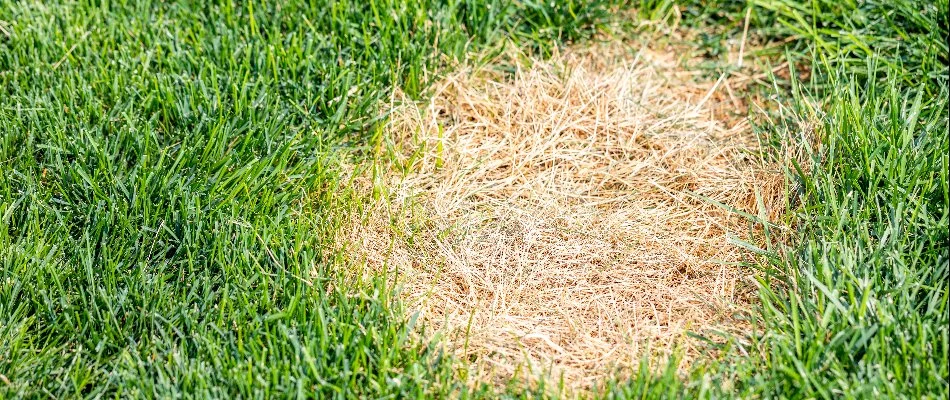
552	220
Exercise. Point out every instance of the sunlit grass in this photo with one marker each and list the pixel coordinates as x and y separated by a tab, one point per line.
170	180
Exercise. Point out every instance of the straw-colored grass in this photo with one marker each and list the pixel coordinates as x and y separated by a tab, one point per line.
555	219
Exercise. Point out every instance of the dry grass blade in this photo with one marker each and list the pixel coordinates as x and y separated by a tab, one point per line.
548	218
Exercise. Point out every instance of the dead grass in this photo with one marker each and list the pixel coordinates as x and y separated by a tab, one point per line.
552	219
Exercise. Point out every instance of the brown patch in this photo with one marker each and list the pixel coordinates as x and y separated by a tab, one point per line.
554	219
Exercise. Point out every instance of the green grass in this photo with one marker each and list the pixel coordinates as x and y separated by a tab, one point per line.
170	180
857	305
862	305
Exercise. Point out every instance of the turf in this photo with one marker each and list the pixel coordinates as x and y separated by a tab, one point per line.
170	182
855	305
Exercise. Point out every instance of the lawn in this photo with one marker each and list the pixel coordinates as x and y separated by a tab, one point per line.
175	175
